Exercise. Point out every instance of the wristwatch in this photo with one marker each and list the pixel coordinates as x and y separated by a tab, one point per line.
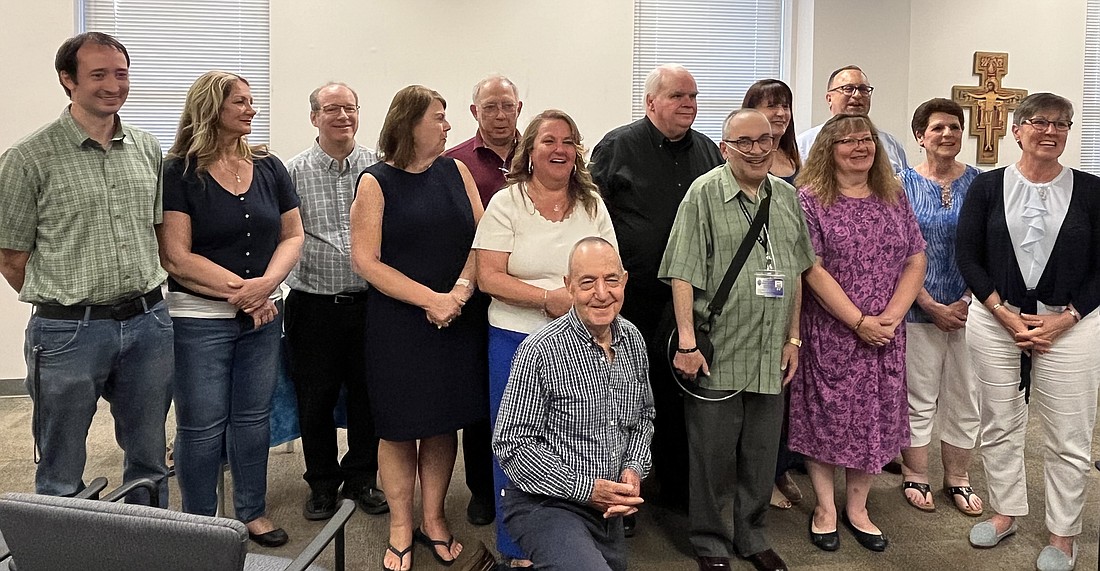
795	341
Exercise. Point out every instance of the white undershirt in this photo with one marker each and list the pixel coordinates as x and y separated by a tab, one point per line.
182	304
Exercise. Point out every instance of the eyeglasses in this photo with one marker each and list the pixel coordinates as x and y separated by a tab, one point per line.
492	109
1042	124
851	89
336	109
851	143
744	144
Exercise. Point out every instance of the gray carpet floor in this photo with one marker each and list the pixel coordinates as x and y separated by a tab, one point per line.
917	540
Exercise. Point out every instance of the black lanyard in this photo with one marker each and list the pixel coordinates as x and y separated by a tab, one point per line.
762	238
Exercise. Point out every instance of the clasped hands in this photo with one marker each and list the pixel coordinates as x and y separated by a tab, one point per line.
876	330
444	308
1034	332
618	498
253	296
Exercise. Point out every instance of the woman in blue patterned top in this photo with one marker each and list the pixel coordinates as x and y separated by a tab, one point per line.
940	381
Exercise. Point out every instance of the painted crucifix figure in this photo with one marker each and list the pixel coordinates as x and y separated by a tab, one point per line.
989	103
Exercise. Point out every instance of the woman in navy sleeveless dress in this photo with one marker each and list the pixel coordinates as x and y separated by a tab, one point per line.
412	225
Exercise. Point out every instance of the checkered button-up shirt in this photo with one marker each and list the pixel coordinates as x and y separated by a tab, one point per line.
569	416
327	187
85	213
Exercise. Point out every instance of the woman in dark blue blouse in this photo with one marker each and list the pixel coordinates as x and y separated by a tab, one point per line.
231	234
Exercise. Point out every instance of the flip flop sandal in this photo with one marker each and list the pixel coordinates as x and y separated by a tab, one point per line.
400	557
925	492
965	492
789	488
779	501
420	537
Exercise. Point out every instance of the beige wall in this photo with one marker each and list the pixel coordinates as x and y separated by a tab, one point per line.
946	33
30	33
581	65
576	56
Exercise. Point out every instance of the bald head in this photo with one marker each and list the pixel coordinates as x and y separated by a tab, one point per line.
596	282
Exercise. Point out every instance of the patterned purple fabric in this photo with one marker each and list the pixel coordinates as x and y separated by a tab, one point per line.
848	399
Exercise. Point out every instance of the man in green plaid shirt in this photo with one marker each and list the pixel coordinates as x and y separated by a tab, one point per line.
79	200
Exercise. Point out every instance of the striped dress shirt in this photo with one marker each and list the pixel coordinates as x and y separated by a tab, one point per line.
327	187
569	416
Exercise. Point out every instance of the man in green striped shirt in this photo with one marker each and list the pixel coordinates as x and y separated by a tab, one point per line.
79	199
732	444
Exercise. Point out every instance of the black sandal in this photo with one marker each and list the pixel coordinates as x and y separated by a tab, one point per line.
400	557
966	492
925	491
420	537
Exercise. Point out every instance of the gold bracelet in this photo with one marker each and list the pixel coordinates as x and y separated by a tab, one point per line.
860	322
996	306
795	341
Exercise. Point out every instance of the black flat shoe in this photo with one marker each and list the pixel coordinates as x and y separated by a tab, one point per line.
824	541
273	538
871	541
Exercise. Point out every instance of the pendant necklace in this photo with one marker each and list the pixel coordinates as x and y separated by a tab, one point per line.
236	172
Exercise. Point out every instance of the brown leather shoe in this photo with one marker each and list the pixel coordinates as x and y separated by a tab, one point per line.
767	560
713	563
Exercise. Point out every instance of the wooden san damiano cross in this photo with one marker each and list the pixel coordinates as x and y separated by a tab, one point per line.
989	103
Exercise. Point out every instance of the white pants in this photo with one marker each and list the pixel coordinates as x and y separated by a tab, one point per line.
1064	383
941	386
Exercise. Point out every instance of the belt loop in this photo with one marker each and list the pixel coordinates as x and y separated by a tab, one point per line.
144	305
87	315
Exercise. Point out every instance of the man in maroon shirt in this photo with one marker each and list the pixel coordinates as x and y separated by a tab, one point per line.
488	155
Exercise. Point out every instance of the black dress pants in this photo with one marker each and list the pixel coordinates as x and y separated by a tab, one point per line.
325	343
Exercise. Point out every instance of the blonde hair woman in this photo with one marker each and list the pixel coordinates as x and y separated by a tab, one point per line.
231	234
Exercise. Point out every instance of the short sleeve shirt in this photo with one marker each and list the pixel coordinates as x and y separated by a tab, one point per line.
538	248
239	233
85	214
710	225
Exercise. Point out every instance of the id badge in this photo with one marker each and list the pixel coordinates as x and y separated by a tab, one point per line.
769	283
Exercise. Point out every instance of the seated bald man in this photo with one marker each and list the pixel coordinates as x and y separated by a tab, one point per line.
575	424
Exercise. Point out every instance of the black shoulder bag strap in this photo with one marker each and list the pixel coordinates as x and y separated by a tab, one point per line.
723	293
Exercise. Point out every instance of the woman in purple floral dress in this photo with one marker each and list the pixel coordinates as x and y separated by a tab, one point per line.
848	399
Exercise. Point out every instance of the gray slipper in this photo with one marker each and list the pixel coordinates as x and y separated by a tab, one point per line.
1053	559
984	534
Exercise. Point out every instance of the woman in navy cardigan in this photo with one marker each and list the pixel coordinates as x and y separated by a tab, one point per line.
1029	249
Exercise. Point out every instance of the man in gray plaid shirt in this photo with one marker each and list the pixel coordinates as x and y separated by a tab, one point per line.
575	423
326	312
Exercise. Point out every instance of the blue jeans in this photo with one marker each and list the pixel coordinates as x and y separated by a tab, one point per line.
225	376
70	365
502	349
